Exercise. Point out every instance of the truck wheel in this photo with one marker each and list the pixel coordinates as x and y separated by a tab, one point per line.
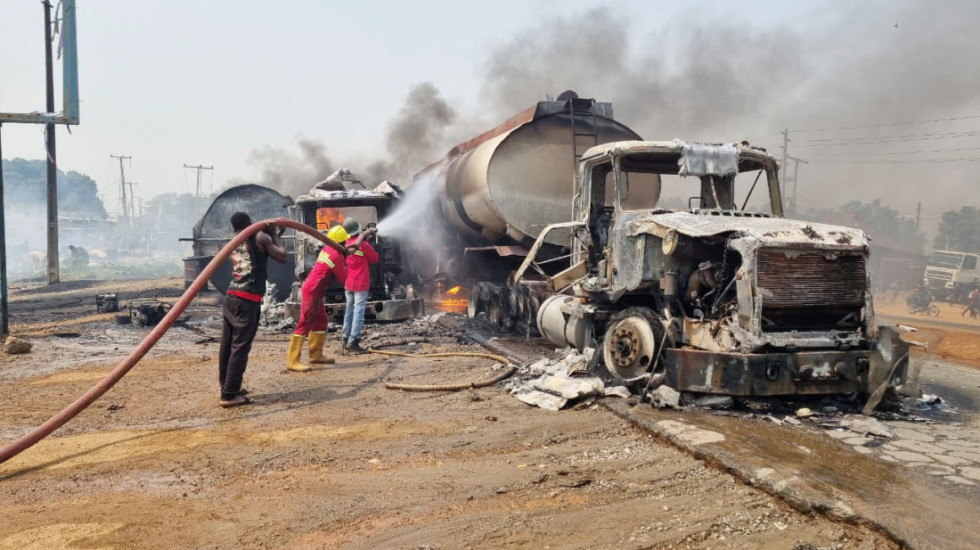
477	302
473	306
630	346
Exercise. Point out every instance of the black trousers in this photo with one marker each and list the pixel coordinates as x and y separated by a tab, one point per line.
240	325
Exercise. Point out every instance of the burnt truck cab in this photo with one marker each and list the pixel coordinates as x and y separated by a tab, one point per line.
716	298
391	296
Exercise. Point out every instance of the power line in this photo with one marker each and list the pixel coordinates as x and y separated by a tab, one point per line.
917	161
949	119
919	152
888	139
199	168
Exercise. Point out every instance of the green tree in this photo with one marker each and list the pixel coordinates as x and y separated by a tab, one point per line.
959	230
875	218
25	182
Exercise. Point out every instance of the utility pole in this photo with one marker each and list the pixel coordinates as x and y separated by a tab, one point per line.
782	167
918	217
122	187
199	168
53	264
796	177
4	316
132	199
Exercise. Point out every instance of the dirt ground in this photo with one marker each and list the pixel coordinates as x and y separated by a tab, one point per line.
952	336
331	459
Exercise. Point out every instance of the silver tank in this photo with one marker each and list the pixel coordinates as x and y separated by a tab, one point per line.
520	176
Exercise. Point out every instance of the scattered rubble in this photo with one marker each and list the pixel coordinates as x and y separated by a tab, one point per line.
866	426
106	303
274	314
16	346
552	383
148	314
715	401
665	397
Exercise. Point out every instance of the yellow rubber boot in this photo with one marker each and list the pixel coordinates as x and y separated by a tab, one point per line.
293	355
317	338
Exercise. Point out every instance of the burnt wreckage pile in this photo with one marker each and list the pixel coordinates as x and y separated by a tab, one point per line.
716	298
553	222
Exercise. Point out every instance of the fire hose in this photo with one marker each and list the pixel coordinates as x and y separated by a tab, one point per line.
124	366
450	387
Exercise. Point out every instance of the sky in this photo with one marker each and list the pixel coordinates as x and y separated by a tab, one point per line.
243	85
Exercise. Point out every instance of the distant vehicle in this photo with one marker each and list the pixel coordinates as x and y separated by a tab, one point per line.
951	274
921	302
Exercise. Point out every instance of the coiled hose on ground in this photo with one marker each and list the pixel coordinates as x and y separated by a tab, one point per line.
151	339
511	369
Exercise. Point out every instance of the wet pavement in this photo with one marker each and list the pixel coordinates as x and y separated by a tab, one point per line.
915	478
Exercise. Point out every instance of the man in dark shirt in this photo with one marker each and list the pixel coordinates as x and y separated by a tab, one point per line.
242	305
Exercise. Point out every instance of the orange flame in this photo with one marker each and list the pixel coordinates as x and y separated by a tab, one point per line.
453	300
327	217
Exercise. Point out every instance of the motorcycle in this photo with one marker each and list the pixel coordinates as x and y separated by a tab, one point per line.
922	303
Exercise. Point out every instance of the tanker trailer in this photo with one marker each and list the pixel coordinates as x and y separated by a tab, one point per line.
213	231
497	191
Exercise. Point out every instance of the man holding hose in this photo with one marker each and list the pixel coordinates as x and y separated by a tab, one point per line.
242	303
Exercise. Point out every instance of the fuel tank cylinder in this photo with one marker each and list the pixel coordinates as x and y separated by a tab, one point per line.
513	180
562	329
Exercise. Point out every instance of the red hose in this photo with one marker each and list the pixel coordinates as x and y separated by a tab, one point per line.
130	361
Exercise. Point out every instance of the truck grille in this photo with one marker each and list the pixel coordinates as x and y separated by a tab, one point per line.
810	291
936	274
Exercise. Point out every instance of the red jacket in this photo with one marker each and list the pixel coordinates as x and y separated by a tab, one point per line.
328	262
358	276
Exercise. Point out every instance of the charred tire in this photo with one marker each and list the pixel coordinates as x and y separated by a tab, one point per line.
477	302
473	306
632	343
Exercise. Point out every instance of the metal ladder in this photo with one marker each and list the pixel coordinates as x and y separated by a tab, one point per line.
582	141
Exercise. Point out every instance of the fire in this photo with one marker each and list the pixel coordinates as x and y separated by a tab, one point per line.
327	217
453	300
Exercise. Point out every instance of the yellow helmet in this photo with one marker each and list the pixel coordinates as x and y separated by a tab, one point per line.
338	234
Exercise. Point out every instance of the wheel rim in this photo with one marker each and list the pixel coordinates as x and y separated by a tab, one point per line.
495	314
629	347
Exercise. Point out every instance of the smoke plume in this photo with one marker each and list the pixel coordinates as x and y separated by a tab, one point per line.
714	77
416	136
703	77
291	173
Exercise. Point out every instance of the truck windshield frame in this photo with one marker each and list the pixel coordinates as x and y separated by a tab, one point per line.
947	260
712	188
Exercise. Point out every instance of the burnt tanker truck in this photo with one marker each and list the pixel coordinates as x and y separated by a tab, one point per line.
558	217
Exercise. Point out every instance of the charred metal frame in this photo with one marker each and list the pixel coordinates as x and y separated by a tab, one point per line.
646	256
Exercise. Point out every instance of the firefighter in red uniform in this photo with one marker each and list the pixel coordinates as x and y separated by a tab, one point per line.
358	284
313	317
